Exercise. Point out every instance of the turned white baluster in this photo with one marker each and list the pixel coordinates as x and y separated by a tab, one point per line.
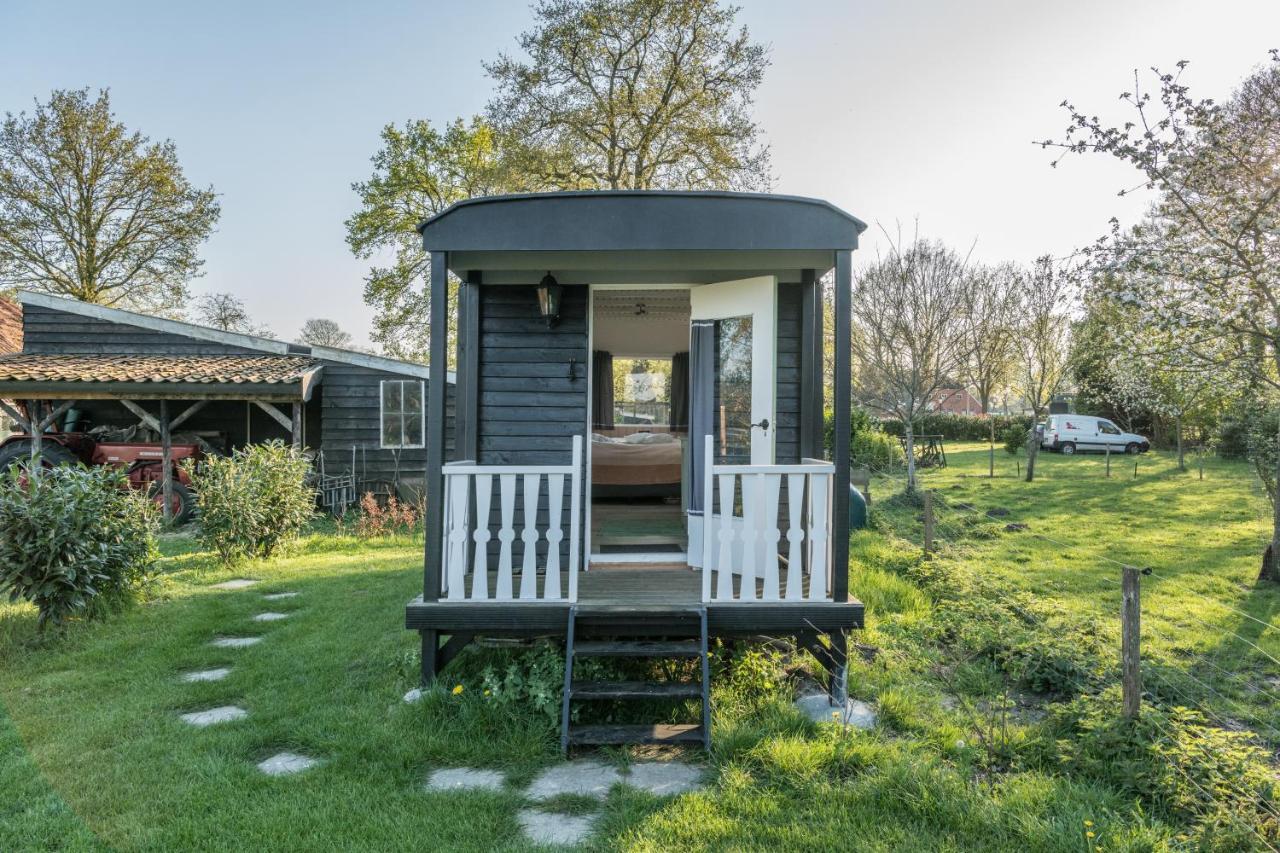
529	536
480	569
724	565
795	537
818	490
770	485
506	535
459	485
555	501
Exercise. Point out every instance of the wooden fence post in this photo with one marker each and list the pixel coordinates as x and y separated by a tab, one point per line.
928	522
1130	649
1200	461
1135	469
1108	460
991	458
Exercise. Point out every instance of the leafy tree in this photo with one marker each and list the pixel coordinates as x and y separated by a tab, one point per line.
324	333
91	211
418	172
990	324
1205	260
908	314
634	94
226	311
1043	345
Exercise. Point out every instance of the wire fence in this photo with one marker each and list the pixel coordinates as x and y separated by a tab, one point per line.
1234	684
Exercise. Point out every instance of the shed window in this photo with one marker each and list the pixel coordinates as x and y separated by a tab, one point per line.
403	413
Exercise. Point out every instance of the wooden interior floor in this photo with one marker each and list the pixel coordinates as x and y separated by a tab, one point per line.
637	524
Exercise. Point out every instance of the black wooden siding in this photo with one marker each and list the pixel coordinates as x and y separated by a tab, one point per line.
787	370
48	330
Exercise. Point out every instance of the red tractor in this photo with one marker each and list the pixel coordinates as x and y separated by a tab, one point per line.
142	462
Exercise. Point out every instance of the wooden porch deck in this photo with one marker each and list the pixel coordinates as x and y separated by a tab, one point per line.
649	599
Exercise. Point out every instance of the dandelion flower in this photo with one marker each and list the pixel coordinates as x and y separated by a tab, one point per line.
1088	823
457	691
1089	834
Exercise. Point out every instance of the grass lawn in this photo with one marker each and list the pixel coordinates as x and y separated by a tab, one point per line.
94	756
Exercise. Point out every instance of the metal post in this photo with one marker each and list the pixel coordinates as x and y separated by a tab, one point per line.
1130	650
928	522
166	462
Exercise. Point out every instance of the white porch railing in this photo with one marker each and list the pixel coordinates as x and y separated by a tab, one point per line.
741	545
466	544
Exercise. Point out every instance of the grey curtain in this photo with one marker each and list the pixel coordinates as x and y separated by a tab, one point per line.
602	390
702	372
680	390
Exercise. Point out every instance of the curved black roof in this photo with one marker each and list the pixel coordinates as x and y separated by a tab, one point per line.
640	220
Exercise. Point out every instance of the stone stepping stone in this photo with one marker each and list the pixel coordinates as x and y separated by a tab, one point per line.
279	596
664	778
238	583
207	674
465	779
286	764
214	716
270	617
235	642
546	828
582	778
819	708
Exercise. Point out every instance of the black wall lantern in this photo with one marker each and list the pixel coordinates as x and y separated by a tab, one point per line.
549	293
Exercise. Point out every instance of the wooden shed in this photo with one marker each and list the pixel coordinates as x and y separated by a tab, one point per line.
117	372
639	462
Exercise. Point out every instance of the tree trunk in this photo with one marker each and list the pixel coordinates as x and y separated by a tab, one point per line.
911	455
1270	571
1177	428
1033	449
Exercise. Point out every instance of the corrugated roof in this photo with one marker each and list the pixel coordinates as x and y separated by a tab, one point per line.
10	326
199	369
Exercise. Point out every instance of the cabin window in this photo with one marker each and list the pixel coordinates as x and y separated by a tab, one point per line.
403	413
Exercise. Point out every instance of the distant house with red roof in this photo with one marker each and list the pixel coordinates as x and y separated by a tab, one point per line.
954	401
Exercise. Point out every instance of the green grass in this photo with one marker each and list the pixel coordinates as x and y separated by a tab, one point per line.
93	756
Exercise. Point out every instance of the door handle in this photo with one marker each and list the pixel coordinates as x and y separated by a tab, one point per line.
764	425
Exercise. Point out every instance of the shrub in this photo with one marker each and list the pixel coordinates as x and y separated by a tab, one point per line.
378	520
253	501
73	539
1262	448
959	427
1170	757
1014	438
1233	432
877	450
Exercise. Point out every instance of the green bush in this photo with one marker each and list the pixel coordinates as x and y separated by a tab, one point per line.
876	450
959	427
73	539
1232	441
253	501
1172	759
1262	447
1014	437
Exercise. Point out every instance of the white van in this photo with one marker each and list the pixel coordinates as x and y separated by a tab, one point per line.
1069	433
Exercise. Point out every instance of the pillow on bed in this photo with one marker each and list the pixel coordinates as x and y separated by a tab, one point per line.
650	438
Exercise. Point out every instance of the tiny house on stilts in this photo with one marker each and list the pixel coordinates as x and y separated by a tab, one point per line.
638	460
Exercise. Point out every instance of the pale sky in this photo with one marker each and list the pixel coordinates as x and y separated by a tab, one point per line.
891	110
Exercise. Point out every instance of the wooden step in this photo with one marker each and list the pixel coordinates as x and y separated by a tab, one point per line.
609	734
636	690
637	649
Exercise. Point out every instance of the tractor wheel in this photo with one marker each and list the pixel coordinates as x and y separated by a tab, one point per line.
184	503
19	452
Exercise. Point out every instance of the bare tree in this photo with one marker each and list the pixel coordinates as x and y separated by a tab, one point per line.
324	333
909	319
1043	344
226	312
990	327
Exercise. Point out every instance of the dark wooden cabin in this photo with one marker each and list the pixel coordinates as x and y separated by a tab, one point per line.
362	415
638	463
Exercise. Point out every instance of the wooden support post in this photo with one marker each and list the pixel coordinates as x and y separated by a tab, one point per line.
276	415
838	670
166	462
1108	460
37	433
841	401
928	522
143	416
295	426
991	472
433	518
1130	649
430	656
